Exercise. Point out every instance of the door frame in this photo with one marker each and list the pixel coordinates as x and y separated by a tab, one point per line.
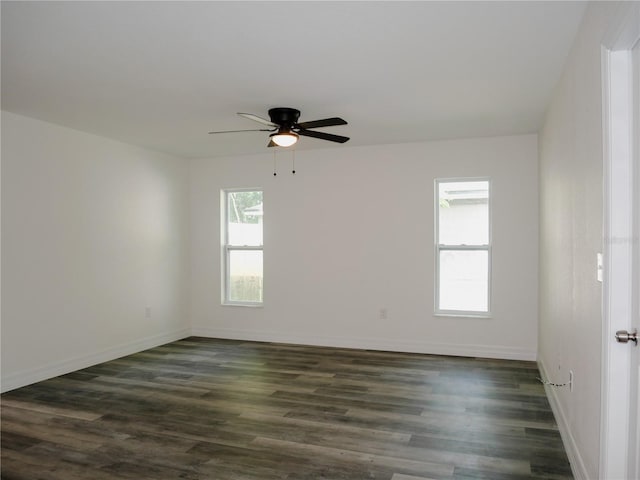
618	440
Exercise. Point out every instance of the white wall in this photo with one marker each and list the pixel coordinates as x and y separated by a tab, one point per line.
570	237
352	233
94	231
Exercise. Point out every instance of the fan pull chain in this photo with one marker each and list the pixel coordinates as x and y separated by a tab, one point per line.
293	162
274	163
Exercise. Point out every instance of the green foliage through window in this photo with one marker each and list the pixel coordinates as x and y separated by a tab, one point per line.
245	207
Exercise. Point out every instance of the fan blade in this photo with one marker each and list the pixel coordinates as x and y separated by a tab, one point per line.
327	122
236	131
272	144
322	135
258	119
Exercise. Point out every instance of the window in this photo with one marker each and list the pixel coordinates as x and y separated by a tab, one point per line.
242	247
463	247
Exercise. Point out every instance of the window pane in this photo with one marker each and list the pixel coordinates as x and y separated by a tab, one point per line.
464	281
244	218
245	276
463	213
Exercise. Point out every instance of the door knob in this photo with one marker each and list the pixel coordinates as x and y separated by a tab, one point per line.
622	336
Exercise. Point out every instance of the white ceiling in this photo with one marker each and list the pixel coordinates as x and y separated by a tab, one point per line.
163	74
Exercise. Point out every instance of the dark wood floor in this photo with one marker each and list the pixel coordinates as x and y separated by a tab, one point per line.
218	409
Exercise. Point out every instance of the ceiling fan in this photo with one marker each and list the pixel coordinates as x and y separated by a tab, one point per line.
286	129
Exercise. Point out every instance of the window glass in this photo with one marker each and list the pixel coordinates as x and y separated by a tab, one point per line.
463	280
242	248
244	214
463	250
463	209
245	276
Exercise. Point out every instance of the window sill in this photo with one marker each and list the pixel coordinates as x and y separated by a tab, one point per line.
463	315
250	305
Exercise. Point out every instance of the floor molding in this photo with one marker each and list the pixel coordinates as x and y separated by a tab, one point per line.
27	377
573	453
458	350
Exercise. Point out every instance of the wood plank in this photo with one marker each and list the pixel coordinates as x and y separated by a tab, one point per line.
201	408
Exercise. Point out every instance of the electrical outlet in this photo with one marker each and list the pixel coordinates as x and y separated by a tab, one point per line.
147	312
571	380
383	313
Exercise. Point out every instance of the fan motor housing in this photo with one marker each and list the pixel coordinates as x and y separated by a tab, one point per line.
282	116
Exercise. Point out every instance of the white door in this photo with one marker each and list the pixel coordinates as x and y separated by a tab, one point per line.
620	435
634	421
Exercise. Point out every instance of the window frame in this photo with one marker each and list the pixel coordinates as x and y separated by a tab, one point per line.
476	247
228	248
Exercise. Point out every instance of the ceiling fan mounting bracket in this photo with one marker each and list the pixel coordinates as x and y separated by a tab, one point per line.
284	117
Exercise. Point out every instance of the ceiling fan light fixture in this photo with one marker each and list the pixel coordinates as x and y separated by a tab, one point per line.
284	139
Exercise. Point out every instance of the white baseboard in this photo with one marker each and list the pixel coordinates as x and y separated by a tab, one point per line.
27	377
459	350
573	453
